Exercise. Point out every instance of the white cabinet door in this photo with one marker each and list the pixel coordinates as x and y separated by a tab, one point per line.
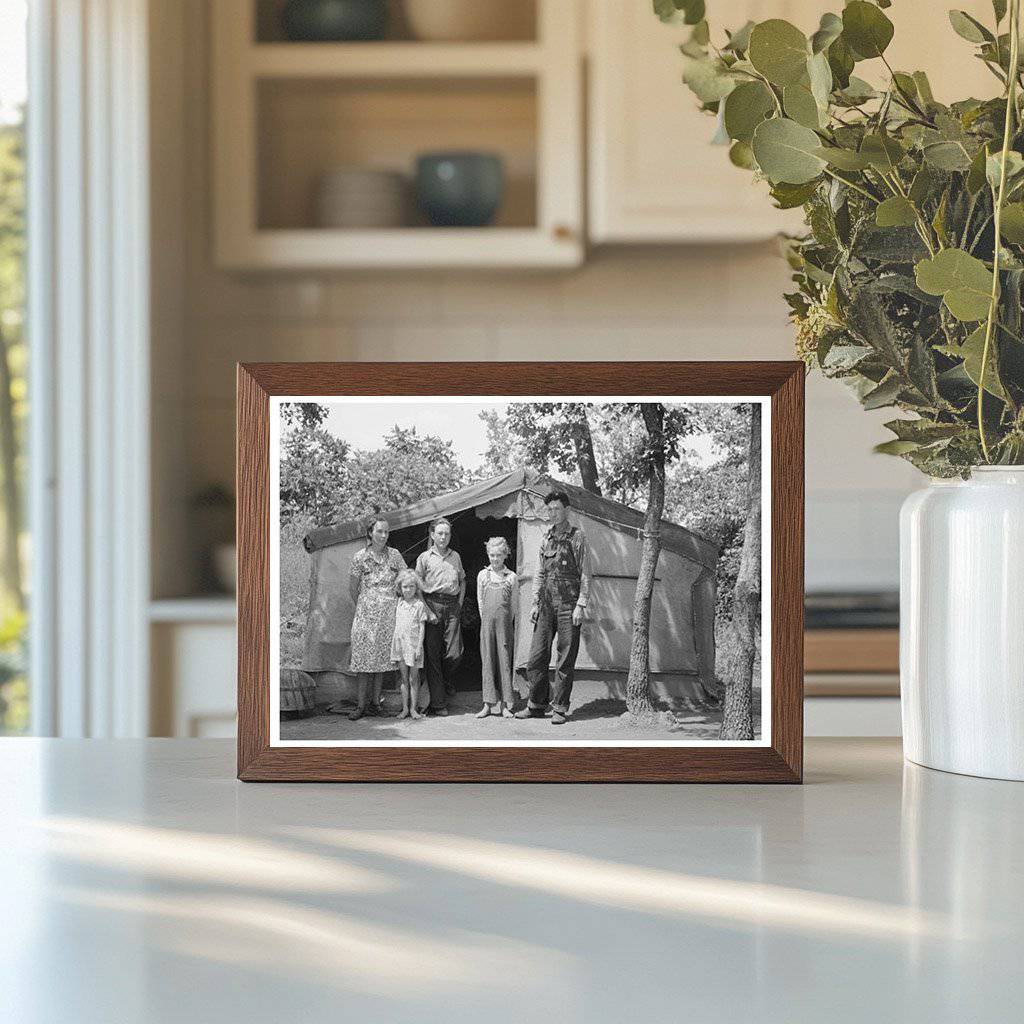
654	177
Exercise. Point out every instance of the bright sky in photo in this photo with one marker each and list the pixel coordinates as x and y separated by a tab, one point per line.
364	425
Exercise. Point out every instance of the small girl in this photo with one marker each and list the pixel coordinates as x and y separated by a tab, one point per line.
411	615
497	592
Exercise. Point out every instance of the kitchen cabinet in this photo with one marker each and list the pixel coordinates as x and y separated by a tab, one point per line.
653	175
287	114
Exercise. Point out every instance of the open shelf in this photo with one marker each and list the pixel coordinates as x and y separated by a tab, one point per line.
286	114
309	127
520	24
387	60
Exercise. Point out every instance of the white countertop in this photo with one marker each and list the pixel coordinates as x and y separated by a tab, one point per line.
140	882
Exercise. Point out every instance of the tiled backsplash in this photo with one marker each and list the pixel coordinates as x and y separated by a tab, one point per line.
719	303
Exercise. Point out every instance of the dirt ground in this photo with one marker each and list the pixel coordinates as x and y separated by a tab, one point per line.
593	717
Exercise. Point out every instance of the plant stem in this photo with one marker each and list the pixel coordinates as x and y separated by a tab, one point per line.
907	99
1011	108
768	86
853	185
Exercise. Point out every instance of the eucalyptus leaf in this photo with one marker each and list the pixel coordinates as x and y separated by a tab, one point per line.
947	156
721	136
841	62
895	212
844	159
701	34
779	51
922	431
924	87
922	185
883	152
689	12
993	167
787	152
741	155
921	370
801	106
666	10
963	281
842	358
969	28
883	395
739	41
857	91
1012	223
866	29
819	75
889	246
906	84
939	220
976	174
972	351
895	447
708	80
788	196
868	321
829	30
745	108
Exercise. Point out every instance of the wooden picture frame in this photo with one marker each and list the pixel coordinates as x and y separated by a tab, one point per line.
778	759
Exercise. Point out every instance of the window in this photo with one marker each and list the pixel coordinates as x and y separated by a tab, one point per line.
14	689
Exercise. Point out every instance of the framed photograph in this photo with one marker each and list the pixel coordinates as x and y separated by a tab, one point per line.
511	572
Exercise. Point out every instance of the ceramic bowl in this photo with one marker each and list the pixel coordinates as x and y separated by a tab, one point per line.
359	197
332	21
460	189
470	20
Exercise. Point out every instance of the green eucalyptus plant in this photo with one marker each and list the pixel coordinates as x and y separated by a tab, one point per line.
910	278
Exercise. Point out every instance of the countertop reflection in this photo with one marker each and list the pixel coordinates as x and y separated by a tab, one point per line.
140	882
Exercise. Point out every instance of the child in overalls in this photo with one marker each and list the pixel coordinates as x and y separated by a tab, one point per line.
497	597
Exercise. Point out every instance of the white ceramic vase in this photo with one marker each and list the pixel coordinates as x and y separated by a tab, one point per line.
962	624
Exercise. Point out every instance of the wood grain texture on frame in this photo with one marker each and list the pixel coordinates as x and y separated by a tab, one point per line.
780	762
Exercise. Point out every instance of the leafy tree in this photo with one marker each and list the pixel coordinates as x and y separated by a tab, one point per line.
712	499
12	349
664	427
555	433
505	451
737	719
313	468
407	469
309	415
325	481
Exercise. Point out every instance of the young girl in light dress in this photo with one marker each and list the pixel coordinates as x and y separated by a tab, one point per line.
411	617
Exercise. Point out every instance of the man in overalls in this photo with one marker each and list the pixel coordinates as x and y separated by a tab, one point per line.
559	599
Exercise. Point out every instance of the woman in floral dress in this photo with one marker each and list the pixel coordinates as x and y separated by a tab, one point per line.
372	585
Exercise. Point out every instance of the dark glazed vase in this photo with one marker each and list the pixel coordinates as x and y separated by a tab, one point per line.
334	21
460	189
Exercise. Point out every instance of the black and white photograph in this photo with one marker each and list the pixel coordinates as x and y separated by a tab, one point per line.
481	571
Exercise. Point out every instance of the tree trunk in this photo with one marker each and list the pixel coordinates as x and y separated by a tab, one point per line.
583	441
737	717
638	682
11	491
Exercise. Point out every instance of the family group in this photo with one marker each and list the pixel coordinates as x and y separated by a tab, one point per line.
409	620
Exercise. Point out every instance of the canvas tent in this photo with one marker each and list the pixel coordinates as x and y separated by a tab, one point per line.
683	603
